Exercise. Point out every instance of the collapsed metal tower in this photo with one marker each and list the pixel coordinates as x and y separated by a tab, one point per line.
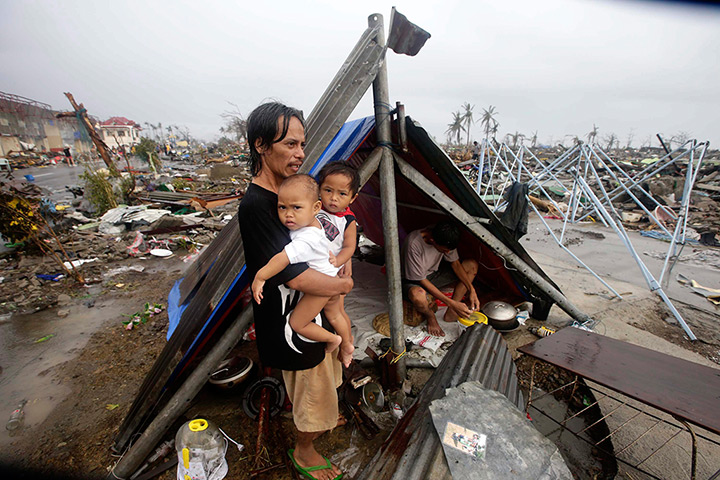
592	183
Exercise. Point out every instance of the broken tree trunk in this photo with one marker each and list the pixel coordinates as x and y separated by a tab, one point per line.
81	113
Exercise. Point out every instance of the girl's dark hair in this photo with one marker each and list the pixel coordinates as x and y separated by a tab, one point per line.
341	168
262	124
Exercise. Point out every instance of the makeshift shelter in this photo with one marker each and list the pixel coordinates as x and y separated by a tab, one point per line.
199	326
496	279
212	299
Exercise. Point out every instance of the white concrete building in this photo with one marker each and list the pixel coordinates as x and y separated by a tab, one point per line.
119	131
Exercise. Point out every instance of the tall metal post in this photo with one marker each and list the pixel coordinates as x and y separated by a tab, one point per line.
383	120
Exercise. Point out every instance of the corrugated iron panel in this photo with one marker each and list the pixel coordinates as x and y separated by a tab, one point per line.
342	95
413	450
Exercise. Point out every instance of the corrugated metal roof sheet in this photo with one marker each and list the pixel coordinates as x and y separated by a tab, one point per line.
413	450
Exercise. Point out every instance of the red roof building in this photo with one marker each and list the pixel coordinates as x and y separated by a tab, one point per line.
120	131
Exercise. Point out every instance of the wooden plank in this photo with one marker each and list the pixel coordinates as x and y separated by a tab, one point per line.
705	186
684	389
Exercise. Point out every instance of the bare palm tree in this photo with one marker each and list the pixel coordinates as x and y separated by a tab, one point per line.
494	130
575	140
611	140
679	138
455	128
488	122
515	138
533	139
630	138
468	119
592	134
235	123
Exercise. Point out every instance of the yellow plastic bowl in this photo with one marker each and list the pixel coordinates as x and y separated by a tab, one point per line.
475	317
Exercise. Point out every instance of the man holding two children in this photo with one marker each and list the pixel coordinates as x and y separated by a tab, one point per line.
276	135
286	238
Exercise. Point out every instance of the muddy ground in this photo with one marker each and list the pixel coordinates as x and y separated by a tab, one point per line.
102	379
80	382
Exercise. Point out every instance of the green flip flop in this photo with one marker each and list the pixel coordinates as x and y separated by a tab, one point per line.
305	472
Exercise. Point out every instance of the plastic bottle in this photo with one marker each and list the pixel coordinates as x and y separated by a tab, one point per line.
541	331
16	417
201	451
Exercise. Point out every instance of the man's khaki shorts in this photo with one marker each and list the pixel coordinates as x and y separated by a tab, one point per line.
313	393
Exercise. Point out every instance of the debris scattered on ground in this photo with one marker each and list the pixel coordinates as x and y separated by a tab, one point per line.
149	311
177	210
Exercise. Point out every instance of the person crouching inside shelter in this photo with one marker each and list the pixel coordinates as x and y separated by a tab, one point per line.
431	262
298	205
276	137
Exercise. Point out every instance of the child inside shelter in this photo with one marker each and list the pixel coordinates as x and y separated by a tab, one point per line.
312	240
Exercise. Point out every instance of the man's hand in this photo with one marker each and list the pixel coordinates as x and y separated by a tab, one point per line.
460	308
474	301
257	289
347	281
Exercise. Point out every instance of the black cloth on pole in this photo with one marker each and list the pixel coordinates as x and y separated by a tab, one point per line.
515	216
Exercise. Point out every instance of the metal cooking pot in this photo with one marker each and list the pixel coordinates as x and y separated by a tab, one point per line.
501	315
231	372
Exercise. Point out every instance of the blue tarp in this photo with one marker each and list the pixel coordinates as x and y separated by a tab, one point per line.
174	310
346	141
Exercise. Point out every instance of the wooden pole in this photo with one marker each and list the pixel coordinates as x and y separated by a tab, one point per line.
81	113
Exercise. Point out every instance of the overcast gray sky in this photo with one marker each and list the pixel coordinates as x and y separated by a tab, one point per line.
552	66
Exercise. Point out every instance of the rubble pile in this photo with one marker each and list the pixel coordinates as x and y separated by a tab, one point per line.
174	214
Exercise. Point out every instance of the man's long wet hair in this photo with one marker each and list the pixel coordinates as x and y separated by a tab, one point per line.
446	234
262	125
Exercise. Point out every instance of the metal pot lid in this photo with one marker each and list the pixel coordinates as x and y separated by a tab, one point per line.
373	397
497	310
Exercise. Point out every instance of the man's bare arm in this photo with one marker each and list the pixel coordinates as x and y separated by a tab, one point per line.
460	308
462	275
316	283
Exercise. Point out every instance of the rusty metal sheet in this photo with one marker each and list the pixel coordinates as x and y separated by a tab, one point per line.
686	390
413	450
342	96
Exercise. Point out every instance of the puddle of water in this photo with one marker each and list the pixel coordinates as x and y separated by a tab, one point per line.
25	366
